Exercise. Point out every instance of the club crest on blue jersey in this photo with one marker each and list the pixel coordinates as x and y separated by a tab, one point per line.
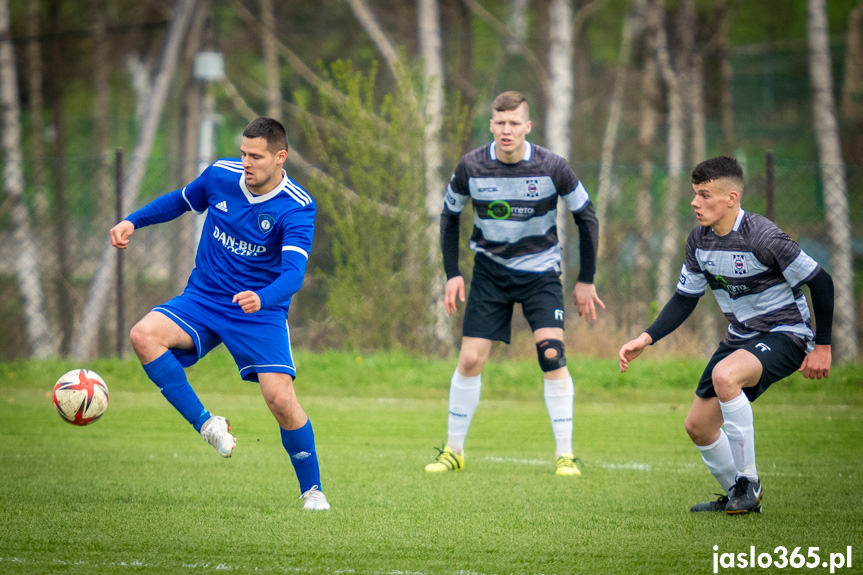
531	188
739	261
266	223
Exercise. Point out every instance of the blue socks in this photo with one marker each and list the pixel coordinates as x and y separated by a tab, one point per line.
170	377
300	445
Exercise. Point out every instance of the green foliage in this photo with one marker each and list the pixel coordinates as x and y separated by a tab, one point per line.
372	206
139	492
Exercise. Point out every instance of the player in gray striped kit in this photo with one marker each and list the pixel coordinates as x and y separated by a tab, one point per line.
756	272
514	187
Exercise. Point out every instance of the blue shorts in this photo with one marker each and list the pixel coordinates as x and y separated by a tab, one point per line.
259	342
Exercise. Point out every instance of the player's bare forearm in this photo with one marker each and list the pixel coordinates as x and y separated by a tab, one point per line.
249	301
816	364
585	299
632	349
121	233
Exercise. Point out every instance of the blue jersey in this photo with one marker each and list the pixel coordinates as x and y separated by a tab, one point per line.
248	241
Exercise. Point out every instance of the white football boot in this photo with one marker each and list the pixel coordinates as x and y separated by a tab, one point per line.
216	431
315	499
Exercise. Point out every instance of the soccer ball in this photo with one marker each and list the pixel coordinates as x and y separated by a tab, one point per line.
81	396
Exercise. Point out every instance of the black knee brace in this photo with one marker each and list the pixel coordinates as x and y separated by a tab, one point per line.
546	364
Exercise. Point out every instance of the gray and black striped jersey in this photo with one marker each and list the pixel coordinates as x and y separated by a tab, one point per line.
756	272
515	205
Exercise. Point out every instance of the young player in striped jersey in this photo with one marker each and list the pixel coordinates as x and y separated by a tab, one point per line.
251	259
756	272
514	187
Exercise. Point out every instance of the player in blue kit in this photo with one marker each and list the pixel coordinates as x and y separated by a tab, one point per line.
756	273
251	259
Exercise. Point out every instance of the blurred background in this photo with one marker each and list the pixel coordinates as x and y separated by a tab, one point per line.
108	104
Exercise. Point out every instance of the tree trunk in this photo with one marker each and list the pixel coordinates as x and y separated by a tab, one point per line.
271	60
464	82
833	180
370	24
669	247
27	263
691	67
37	125
433	73
60	211
726	77
615	109
102	105
852	88
85	339
183	256
649	102
560	98
517	27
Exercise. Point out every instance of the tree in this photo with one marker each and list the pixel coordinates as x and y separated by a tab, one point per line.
615	109
674	156
27	264
37	125
517	26
726	76
852	87
378	289
648	104
833	180
428	24
560	94
271	60
87	329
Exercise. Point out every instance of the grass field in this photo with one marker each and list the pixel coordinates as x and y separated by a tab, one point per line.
139	492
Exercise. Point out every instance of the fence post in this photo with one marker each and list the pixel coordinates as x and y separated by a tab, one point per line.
769	186
121	304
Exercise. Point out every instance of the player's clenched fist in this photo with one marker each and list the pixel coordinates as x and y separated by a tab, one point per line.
248	300
120	234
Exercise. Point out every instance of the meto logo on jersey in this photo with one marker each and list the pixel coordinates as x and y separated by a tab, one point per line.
266	223
499	210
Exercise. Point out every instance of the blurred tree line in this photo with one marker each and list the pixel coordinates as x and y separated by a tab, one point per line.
380	98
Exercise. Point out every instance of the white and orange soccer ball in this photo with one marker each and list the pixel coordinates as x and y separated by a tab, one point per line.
81	396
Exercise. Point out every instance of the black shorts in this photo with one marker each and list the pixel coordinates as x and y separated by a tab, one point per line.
780	355
495	288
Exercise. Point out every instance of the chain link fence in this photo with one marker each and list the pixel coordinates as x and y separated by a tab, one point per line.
71	205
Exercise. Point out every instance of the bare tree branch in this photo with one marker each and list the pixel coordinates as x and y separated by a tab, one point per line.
370	24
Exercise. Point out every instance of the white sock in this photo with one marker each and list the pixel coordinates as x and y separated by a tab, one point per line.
737	414
463	399
559	394
720	461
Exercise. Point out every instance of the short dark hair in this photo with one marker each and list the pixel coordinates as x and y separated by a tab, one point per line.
719	168
269	129
508	101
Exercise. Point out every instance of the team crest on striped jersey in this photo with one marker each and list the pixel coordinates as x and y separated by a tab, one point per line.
531	188
739	261
266	223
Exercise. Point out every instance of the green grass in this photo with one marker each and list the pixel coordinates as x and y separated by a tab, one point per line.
139	492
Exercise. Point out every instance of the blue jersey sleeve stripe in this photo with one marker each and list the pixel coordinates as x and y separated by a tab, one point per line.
231	166
303	201
190	203
296	249
298	193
